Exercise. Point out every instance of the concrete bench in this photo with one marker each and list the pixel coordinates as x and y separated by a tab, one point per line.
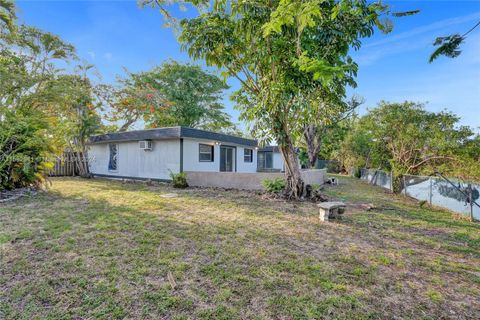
330	210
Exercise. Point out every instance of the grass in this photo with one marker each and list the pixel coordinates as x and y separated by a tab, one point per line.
98	249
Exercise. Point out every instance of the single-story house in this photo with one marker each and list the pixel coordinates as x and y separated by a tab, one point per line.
269	159
154	153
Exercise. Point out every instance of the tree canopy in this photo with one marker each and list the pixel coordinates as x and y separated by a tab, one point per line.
43	110
276	50
7	15
172	94
409	140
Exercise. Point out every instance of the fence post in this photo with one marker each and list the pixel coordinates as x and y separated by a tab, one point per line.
391	181
431	193
470	198
404	185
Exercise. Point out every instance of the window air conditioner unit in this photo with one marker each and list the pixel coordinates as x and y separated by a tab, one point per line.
145	145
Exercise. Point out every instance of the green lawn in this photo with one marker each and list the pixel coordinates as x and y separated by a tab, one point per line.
98	249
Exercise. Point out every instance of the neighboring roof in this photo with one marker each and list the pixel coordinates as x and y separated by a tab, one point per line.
274	149
269	148
170	133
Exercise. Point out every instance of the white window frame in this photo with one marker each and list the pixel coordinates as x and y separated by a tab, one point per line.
211	152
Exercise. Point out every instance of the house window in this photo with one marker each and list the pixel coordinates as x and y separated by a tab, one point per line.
265	160
206	153
247	155
113	160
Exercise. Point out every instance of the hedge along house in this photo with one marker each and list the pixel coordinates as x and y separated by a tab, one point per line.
154	153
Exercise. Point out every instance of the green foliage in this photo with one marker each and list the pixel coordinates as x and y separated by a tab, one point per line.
7	15
447	46
23	149
75	115
303	158
179	180
357	173
172	94
33	88
283	53
276	185
407	139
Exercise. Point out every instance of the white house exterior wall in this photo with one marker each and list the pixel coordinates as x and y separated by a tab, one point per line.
137	163
134	162
191	157
278	161
243	166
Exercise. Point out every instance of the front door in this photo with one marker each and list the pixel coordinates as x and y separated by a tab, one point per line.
226	159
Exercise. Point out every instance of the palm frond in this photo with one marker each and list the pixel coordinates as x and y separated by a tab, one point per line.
405	13
447	46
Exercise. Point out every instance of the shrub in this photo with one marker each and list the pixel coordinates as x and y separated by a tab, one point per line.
274	185
357	172
179	180
23	148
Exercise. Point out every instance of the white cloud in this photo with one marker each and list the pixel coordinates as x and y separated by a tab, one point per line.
91	54
108	55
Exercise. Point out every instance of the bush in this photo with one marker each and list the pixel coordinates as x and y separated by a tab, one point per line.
274	185
357	172
23	148
179	180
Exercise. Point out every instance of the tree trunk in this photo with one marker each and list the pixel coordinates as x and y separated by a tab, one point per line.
84	161
294	184
81	159
312	139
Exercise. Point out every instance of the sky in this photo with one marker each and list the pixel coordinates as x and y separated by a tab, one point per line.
119	35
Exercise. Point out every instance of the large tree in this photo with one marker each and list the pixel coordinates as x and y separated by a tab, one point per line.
409	140
43	111
323	126
275	50
172	94
26	68
27	65
74	115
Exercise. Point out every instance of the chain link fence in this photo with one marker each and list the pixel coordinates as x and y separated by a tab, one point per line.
458	196
332	166
378	178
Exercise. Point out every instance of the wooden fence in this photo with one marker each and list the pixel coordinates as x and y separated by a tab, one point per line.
65	165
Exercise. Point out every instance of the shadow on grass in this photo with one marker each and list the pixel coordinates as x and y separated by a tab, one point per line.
86	256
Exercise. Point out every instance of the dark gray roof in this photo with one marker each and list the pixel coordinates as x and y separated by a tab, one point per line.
170	133
274	149
269	148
